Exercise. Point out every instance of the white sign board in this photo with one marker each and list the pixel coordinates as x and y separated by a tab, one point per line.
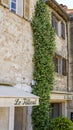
7	102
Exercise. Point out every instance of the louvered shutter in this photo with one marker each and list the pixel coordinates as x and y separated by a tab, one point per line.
63	30
64	72
19	7
5	2
56	63
59	29
26	8
53	21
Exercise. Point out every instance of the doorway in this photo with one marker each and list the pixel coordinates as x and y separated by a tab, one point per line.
18	123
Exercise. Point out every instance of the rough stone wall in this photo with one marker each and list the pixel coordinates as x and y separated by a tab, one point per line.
16	49
61	49
60	83
71	55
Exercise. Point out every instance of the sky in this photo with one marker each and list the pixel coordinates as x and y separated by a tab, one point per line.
69	3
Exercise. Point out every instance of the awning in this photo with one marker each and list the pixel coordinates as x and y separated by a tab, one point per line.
11	96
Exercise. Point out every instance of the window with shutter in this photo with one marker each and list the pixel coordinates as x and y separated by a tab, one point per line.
5	2
63	30
26	8
55	23
58	64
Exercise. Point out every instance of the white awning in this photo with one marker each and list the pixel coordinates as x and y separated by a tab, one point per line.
11	96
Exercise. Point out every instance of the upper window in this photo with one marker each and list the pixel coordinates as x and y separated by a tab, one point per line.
20	7
58	26
60	65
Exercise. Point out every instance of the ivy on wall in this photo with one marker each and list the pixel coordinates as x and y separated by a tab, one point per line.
44	47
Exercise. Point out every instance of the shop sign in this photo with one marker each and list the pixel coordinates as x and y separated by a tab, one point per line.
25	101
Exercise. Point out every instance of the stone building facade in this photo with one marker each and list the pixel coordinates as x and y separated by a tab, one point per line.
16	53
61	96
16	65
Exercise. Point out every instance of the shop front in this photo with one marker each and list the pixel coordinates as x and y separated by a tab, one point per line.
13	107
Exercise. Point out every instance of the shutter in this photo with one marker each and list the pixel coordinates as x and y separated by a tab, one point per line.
60	65
19	7
5	2
63	30
53	21
64	66
59	29
56	63
26	8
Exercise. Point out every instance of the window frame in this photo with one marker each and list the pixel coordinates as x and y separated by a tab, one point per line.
60	65
6	5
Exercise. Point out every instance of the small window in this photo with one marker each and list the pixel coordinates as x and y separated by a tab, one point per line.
55	24
5	3
60	65
19	7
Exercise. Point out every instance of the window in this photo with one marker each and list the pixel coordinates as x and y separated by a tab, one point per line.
56	110
58	26
19	7
60	65
13	6
55	23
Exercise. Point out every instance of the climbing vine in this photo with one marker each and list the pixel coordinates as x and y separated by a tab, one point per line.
44	47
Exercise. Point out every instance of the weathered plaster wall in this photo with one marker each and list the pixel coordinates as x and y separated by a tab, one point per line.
61	49
60	83
16	49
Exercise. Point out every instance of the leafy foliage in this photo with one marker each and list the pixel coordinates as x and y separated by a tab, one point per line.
44	47
61	123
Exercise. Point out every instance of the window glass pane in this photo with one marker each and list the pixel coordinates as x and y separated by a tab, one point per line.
56	110
13	5
13	0
14	11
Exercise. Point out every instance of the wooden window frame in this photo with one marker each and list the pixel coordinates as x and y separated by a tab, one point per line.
6	5
60	65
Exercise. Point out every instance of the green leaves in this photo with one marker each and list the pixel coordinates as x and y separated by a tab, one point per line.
44	48
61	123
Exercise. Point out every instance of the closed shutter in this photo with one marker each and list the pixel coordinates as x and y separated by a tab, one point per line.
63	30
59	29
56	63
26	8
5	2
53	21
64	72
19	7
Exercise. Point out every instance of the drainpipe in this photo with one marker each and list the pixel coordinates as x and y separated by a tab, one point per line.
67	57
